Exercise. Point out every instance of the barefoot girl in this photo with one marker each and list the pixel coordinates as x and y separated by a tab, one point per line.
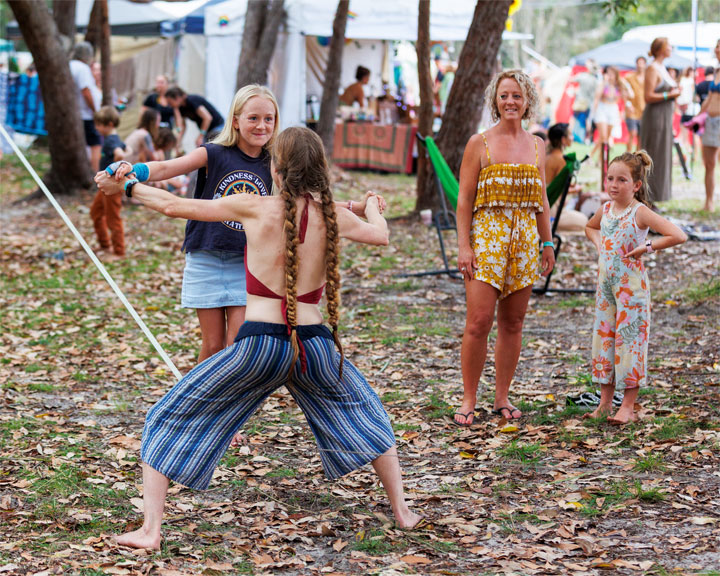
292	254
622	313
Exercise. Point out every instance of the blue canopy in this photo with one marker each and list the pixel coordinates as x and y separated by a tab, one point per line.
623	53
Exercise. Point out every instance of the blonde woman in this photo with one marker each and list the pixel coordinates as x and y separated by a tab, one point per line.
292	255
504	237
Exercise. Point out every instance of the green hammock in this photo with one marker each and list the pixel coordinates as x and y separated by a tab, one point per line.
445	175
555	188
451	187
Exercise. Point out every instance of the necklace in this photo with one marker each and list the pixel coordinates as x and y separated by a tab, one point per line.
622	214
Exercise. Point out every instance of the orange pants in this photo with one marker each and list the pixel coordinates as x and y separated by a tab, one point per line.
105	214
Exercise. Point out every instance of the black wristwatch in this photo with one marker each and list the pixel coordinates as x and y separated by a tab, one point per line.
129	186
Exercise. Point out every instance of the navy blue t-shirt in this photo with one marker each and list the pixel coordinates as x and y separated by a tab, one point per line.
229	171
167	113
108	150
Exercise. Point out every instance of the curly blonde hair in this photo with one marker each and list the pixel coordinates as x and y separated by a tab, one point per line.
527	86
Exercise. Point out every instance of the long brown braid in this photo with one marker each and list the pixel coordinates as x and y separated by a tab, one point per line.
299	158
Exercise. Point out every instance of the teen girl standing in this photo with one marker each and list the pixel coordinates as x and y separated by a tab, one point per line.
622	303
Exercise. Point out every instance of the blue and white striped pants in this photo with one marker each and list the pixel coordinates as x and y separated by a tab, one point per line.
190	428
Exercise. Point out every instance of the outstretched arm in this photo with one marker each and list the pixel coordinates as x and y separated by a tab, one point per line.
236	207
169	168
374	231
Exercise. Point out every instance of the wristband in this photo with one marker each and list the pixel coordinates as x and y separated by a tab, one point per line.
129	186
142	172
203	132
547	244
112	168
648	247
350	205
664	95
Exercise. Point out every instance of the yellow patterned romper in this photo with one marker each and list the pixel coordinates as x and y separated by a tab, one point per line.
504	234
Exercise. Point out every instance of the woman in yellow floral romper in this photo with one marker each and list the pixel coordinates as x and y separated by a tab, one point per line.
502	216
622	303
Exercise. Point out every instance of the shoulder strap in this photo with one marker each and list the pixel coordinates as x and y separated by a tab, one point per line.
487	148
537	158
304	218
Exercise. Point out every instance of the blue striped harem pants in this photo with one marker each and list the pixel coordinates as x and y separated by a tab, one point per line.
190	428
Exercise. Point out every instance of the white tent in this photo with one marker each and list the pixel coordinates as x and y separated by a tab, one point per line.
370	23
681	36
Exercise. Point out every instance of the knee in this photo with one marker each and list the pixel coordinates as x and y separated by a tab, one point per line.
478	325
511	325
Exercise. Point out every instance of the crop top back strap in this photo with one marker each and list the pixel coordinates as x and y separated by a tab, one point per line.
255	287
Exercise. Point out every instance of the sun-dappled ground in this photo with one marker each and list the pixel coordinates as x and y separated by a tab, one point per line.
549	494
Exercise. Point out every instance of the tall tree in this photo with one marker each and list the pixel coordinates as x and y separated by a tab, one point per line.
69	165
476	66
98	34
425	196
331	85
262	23
64	15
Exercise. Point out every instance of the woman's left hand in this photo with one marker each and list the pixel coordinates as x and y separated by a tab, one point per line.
107	184
548	260
370	194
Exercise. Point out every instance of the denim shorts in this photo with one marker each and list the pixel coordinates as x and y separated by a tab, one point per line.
633	124
213	279
711	135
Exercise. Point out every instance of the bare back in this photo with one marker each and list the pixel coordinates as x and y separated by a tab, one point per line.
265	259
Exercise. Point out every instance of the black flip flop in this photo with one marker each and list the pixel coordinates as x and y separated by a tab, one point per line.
465	415
510	410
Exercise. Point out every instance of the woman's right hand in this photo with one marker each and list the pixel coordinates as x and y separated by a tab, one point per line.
107	184
466	262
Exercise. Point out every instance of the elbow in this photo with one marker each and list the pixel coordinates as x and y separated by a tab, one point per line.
682	238
383	239
171	209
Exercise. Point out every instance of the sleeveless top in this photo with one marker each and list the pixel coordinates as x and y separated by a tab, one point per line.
620	236
229	171
255	287
509	185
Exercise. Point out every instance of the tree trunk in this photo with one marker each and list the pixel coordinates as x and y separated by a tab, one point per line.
262	23
69	165
105	63
426	197
64	15
476	67
331	86
94	26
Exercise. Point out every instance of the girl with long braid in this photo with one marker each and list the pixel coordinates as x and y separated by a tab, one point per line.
293	246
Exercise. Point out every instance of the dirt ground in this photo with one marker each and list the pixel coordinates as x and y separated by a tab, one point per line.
549	494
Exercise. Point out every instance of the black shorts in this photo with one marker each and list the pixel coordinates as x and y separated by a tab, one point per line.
92	136
633	124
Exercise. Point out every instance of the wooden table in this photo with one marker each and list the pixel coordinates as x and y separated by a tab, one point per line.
388	148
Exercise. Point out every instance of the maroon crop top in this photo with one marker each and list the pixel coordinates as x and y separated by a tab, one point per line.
255	287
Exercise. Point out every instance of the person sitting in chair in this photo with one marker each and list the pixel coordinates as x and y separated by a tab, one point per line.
354	92
559	137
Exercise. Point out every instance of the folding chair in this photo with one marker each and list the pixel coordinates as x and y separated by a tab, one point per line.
447	188
557	191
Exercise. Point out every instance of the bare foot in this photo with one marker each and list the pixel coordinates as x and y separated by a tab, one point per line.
602	411
111	257
408	520
139	539
623	416
238	440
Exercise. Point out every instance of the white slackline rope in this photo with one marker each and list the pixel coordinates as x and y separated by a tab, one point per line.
94	258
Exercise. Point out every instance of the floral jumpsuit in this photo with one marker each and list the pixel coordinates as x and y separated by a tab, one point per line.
622	304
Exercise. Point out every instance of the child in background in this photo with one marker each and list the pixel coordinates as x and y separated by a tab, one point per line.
105	210
622	303
141	139
165	144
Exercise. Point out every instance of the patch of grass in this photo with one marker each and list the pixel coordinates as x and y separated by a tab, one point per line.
394	396
703	291
403	426
438	408
613	493
524	453
652	461
374	543
574	302
670	429
32	368
244	567
282	473
649	495
41	387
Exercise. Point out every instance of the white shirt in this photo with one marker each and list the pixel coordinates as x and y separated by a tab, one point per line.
83	78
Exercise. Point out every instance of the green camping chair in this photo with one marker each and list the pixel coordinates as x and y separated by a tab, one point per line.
447	188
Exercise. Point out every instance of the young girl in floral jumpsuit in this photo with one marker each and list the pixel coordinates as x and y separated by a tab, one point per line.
622	303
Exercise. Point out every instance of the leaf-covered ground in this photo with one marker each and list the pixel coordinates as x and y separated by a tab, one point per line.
553	494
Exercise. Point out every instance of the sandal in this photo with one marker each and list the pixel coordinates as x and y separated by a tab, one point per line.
511	411
468	416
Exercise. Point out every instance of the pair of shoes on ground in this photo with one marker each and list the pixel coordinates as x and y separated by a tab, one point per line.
592	399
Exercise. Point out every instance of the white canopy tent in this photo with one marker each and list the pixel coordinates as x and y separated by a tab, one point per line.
371	22
681	36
